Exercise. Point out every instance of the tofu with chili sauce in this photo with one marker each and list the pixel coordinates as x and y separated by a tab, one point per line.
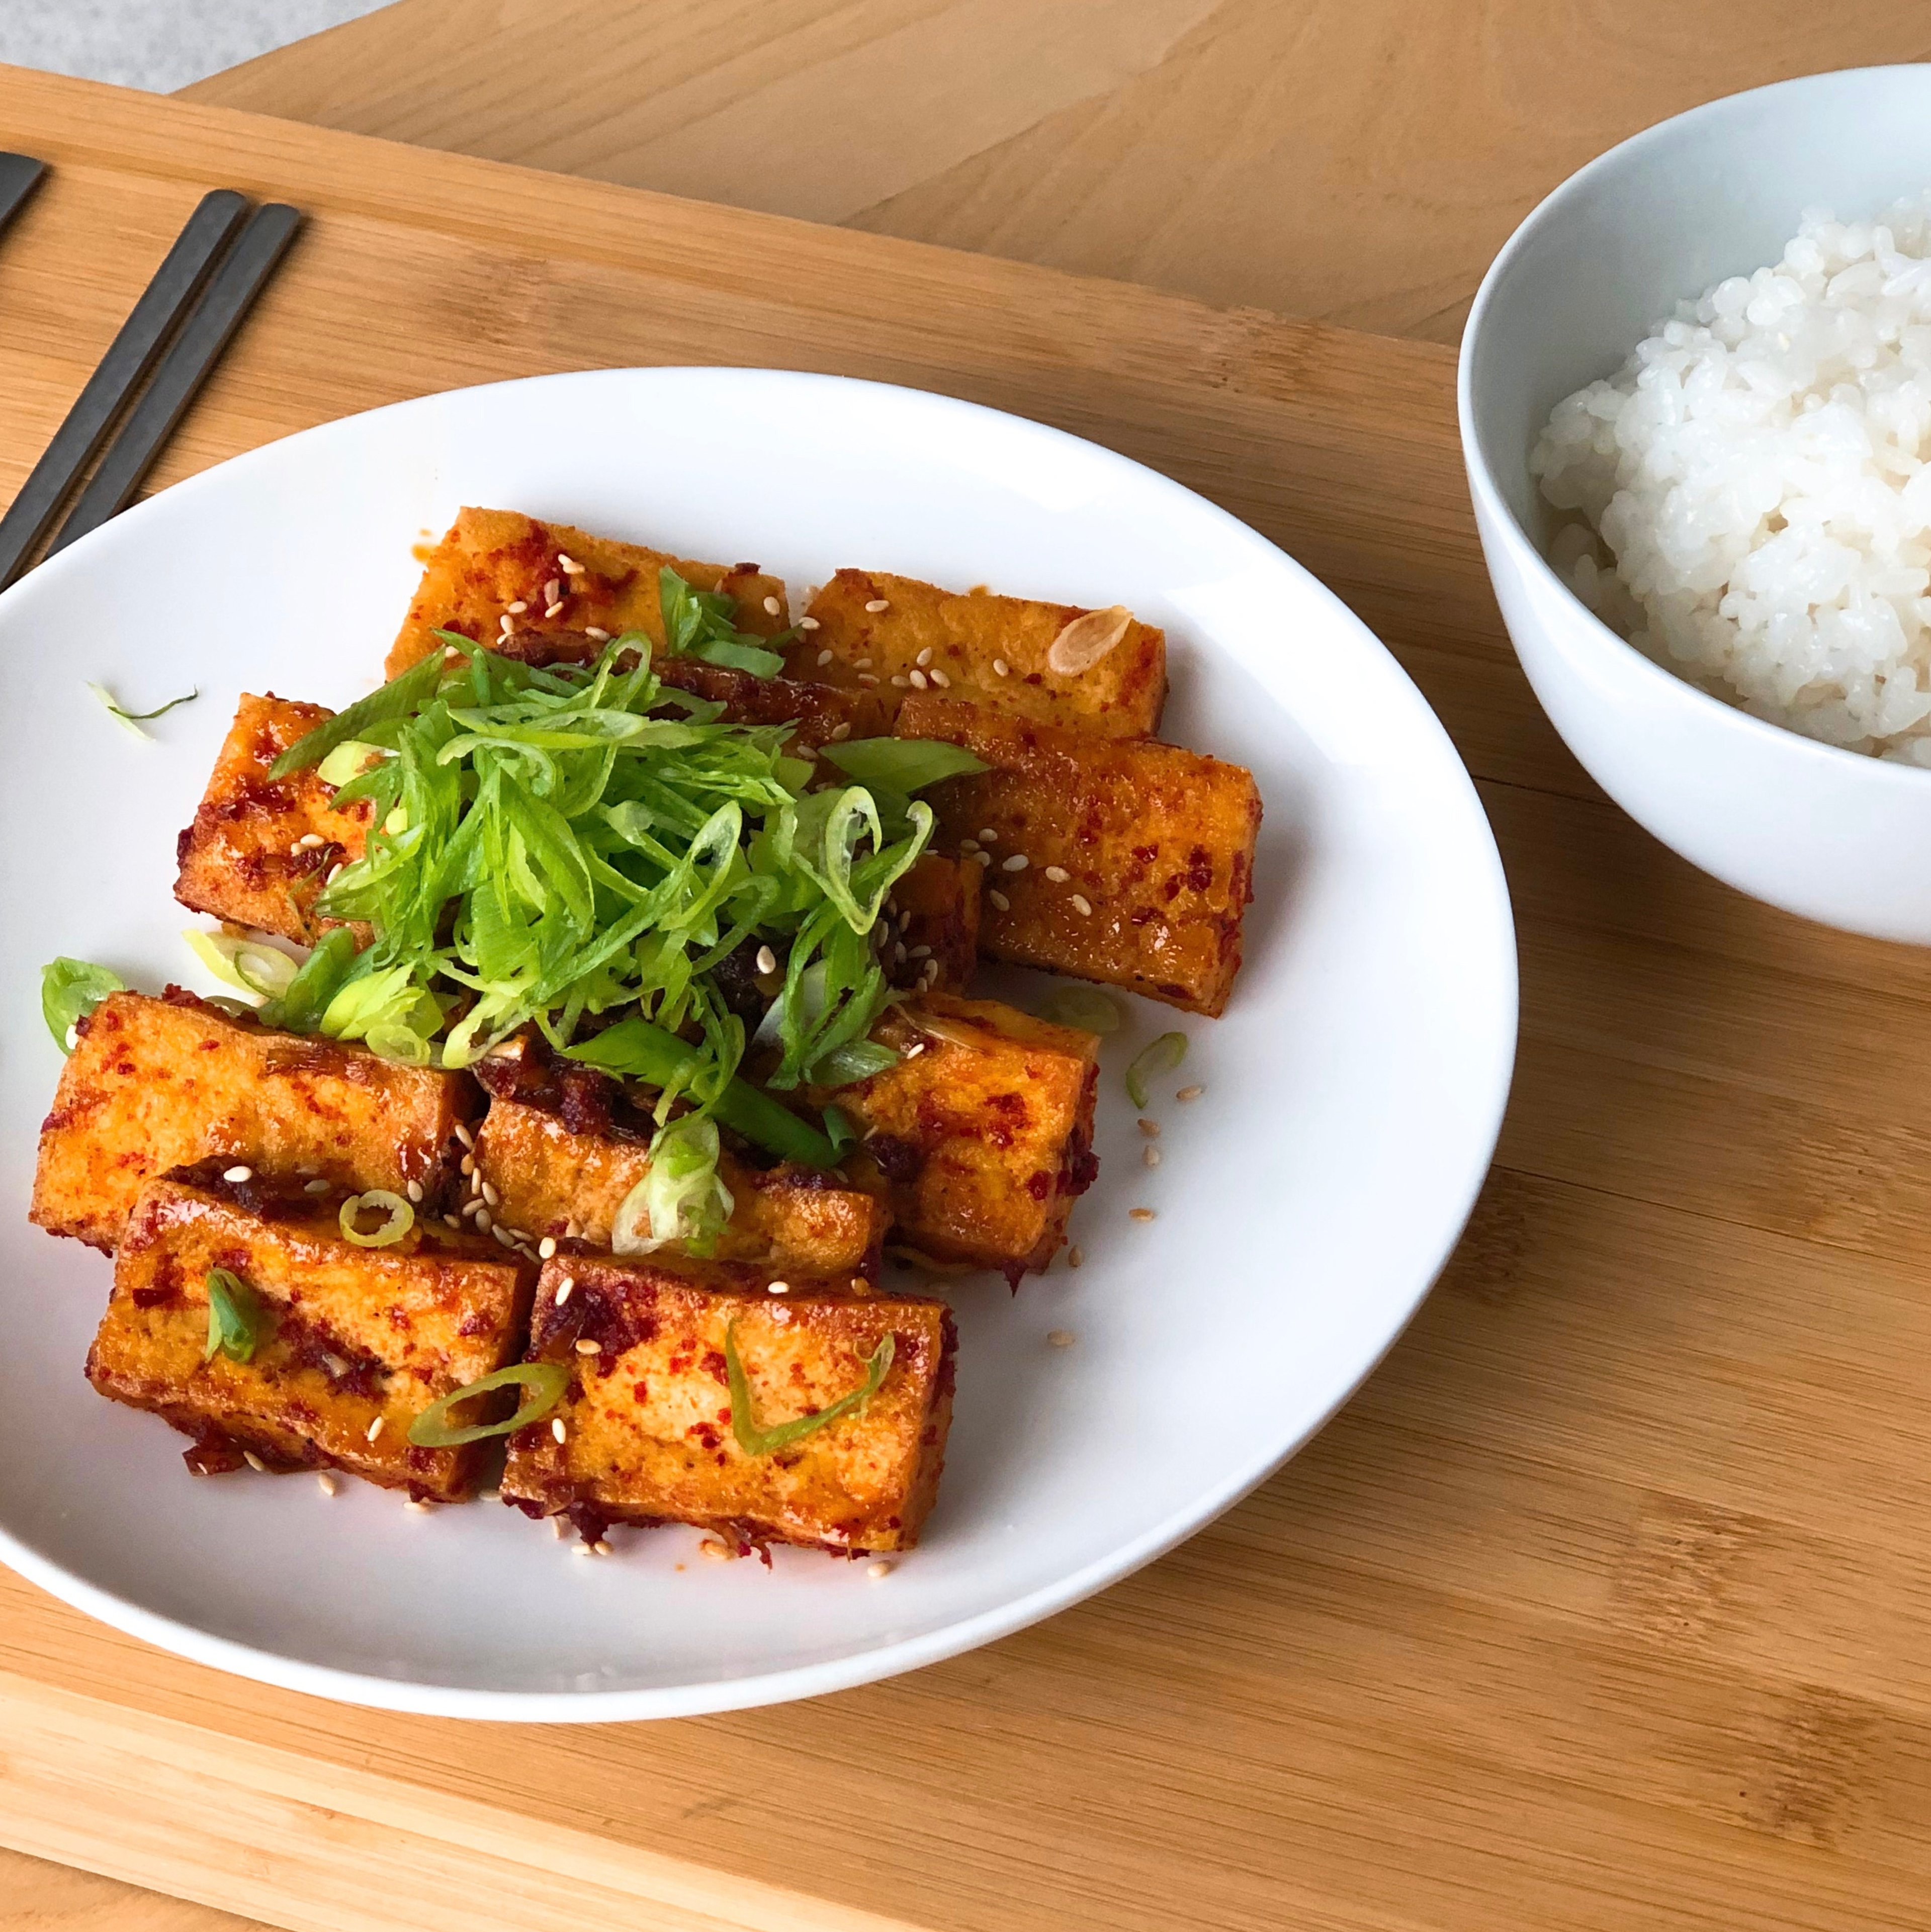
550	1181
261	849
900	635
1139	857
934	914
153	1084
498	567
647	1432
981	1138
345	1345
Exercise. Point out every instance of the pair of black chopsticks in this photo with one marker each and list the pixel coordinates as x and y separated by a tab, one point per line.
175	332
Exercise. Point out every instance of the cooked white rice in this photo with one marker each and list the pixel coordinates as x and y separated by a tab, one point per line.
1755	488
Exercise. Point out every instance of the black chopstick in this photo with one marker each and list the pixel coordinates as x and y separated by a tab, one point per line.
18	175
129	357
184	369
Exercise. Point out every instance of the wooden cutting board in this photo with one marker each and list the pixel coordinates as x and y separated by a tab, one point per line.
1602	1606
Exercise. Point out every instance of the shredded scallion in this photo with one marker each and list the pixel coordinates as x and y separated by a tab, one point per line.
755	1441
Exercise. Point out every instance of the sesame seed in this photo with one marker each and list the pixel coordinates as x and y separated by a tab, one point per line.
506	1236
870	677
316	1187
878	603
983	858
452	1220
552	590
860	1285
309	841
1017	863
877	1569
1189	1092
557	1429
374	1430
714	1549
237	1174
841	731
573	1230
563	1288
517	609
467	1166
1151	1129
807	623
464	1135
1062	1338
482	1214
508	625
413	1188
254	1462
939	678
924	657
900	682
585	1346
767	960
1075	1257
550	610
1139	1213
561	1526
917	680
1082	905
778	1288
989	834
592	631
1058	874
490	1197
771	606
920	952
334	873
1001	667
489	1496
569	565
824	658
967	847
912	1052
327	1483
1151	1156
546	1247
416	1504
861	664
600	1548
1000	899
579	1549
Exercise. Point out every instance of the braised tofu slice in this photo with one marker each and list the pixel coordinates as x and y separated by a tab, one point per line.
260	848
646	1431
981	1137
549	1180
1139	856
346	1345
153	1084
887	636
498	567
934	913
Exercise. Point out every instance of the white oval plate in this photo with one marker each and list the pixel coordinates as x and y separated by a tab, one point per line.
1353	1091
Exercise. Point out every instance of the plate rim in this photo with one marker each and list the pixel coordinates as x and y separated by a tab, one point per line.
881	1660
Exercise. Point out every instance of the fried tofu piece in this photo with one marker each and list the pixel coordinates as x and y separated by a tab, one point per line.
492	559
981	1138
934	911
647	1429
354	1342
153	1084
260	848
551	1181
1140	856
960	643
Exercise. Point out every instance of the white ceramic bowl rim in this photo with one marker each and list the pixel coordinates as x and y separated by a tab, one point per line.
1885	772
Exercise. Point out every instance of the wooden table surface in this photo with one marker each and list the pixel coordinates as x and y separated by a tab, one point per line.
1598	1607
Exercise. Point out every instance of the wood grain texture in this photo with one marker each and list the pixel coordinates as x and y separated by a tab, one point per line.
1599	1608
1357	161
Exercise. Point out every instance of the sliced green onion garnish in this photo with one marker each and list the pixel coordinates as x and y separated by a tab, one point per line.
396	699
245	964
1085	1007
376	1200
1165	1055
133	721
902	764
755	1441
305	999
681	1198
70	989
544	1381
847	1066
237	1320
840	1132
349	759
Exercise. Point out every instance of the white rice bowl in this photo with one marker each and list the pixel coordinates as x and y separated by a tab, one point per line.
1754	498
